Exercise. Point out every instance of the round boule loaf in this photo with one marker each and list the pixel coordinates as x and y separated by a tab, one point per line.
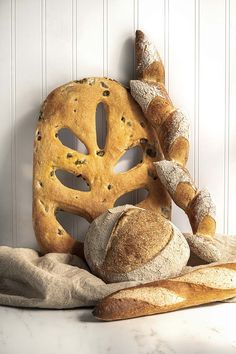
131	243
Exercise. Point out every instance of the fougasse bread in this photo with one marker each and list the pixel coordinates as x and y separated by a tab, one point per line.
73	106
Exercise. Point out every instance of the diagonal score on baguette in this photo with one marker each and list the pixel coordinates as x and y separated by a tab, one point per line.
202	285
198	205
149	91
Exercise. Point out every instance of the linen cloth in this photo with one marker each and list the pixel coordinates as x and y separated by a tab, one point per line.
52	281
55	280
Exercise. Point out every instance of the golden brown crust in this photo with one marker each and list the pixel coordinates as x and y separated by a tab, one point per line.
198	205
148	62
201	214
120	309
168	295
73	106
136	225
159	108
184	194
179	151
206	227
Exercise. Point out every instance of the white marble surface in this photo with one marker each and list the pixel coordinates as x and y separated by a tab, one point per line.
204	330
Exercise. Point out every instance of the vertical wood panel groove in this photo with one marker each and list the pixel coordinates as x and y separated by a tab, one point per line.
74	77
105	38
74	40
166	42
13	123
43	49
226	120
196	94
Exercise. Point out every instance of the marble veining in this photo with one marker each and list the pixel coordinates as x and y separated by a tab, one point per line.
201	330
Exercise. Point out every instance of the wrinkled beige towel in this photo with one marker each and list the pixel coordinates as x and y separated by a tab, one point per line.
55	280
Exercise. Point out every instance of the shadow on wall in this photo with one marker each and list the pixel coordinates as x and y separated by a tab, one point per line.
20	182
126	62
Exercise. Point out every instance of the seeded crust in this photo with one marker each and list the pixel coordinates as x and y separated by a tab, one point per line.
134	244
73	106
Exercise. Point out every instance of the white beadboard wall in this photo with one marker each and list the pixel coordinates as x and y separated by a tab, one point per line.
45	43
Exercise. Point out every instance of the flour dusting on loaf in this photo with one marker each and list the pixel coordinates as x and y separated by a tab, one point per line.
144	92
162	297
204	248
149	53
220	248
176	126
219	278
98	235
171	174
203	205
169	262
131	243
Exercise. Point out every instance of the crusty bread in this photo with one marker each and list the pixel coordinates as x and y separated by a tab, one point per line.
200	285
201	213
73	106
198	205
178	182
149	91
170	123
130	243
220	248
148	62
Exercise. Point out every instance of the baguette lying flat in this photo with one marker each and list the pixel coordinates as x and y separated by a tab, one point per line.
201	285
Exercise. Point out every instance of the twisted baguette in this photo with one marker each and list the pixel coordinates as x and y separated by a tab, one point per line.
148	61
149	91
198	205
203	284
172	129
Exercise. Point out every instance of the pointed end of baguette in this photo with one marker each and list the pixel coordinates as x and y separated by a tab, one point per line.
148	62
114	309
107	310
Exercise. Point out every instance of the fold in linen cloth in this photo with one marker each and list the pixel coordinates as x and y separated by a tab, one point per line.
55	280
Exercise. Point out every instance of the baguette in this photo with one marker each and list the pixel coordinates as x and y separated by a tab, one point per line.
178	182
149	91
202	285
198	205
167	120
148	62
201	214
221	248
